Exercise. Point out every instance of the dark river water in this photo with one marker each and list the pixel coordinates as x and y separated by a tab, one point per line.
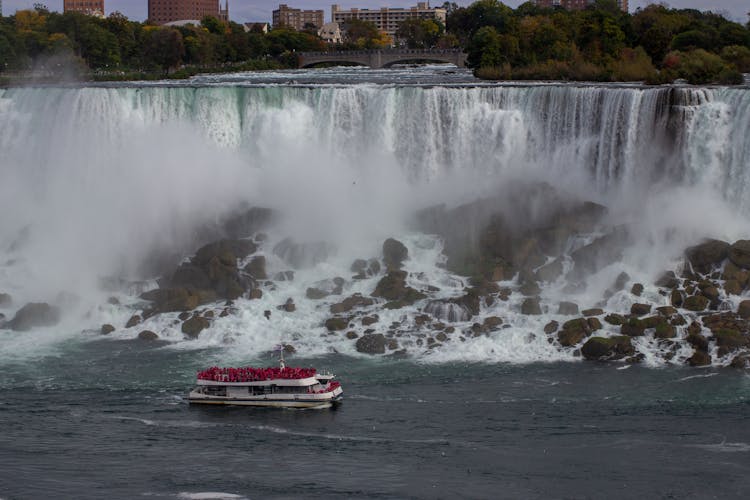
109	420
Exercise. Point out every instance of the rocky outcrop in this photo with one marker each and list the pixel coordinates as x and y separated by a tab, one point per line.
394	253
531	306
349	303
106	329
739	254
256	268
393	288
373	343
178	299
707	255
34	315
607	349
147	335
194	326
744	309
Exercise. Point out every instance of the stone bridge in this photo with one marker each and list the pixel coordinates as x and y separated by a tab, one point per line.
376	59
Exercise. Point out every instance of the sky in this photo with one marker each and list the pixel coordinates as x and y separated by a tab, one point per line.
260	10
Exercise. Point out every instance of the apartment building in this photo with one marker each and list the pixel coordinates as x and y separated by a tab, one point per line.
297	18
388	19
88	7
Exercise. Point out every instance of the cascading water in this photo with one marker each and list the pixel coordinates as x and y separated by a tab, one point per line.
96	181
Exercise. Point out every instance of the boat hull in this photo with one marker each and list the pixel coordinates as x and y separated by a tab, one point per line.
273	401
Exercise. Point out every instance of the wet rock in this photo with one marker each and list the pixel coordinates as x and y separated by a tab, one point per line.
183	316
441	337
709	254
337	324
255	294
733	287
349	303
393	287
666	311
531	306
699	358
594	324
287	306
371	344
369	320
551	327
739	254
491	323
731	339
637	289
134	320
32	315
549	272
351	335
744	309
257	267
5	300
741	361
599	253
224	313
695	303
592	312
665	331
676	298
698	341
194	326
248	221
107	329
147	335
668	280
394	253
614	319
633	328
530	289
178	299
733	272
190	275
653	321
640	309
605	349
709	290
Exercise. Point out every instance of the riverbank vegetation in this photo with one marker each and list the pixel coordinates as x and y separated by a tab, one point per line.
656	44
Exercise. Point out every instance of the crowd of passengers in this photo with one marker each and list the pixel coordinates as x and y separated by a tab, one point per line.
249	374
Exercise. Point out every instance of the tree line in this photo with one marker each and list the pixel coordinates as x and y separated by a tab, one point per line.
655	44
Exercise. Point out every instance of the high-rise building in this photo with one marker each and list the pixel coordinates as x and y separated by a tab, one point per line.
296	18
88	7
576	4
167	11
387	19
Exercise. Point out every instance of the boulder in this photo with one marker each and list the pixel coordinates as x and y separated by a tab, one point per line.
530	288
349	303
5	300
393	287
733	272
741	361
695	303
605	349
744	309
640	309
257	267
371	344
551	327
665	331
637	289
315	294
733	287
190	275
288	306
709	254
370	320
666	311
573	332
594	324
614	319
336	324
599	253
178	299
731	339
227	251
351	335
394	253
699	358
698	341
739	254
194	326
676	298
134	320
531	306
107	329
34	314
668	280
592	312
255	294
633	328
147	335
567	308
491	322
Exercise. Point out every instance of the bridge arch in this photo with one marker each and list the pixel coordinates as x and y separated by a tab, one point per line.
376	59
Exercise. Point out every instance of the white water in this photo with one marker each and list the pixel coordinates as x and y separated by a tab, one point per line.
95	179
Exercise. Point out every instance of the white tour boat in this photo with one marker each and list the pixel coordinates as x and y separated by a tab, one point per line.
276	386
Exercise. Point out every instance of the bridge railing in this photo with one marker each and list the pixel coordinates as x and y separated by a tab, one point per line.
340	53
